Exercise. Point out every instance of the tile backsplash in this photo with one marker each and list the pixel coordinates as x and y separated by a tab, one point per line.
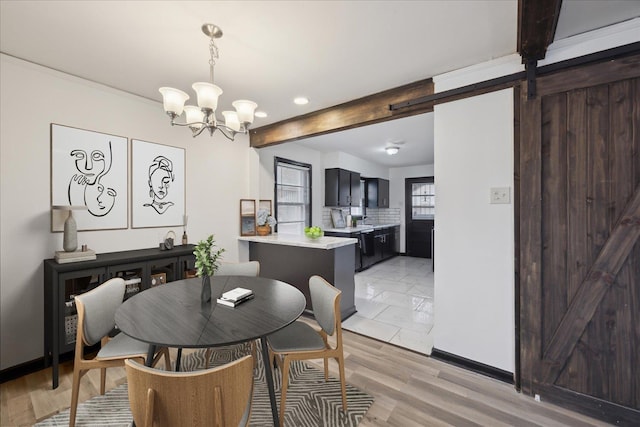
373	216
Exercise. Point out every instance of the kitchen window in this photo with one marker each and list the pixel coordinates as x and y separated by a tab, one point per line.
292	195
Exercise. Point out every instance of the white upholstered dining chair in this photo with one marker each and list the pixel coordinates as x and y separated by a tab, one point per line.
96	320
249	268
300	341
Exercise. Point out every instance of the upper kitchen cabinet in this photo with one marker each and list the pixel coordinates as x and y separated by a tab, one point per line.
377	193
341	188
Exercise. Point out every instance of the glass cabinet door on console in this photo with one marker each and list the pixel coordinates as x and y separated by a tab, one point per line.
187	266
162	271
134	275
72	284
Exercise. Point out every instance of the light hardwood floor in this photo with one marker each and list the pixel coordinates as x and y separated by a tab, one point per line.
410	389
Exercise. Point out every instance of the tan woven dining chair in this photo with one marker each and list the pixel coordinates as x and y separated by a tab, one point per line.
218	397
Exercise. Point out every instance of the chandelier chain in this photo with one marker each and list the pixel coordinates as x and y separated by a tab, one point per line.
213	52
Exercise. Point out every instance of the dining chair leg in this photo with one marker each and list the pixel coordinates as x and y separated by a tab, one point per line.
207	357
103	380
167	359
285	384
342	382
75	390
254	353
326	369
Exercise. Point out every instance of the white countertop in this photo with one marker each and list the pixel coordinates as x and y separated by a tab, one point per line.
360	228
324	242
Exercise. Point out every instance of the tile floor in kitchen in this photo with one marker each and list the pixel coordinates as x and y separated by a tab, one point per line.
394	300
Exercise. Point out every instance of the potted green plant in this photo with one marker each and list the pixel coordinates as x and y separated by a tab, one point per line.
207	263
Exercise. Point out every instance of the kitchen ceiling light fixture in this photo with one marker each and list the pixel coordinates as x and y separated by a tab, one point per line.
204	115
391	150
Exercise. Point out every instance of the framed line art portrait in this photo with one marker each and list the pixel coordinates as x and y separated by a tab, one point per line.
157	185
89	169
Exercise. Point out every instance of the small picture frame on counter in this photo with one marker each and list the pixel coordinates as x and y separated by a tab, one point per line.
337	218
247	217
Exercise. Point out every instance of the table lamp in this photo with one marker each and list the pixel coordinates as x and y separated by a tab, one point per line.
70	235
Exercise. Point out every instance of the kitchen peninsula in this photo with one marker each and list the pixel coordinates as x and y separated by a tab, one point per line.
293	259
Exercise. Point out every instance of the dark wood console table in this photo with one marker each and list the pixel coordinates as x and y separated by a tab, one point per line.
141	269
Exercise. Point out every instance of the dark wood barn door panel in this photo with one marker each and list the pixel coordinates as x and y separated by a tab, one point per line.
580	243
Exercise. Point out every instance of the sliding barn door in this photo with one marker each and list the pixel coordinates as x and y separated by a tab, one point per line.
580	246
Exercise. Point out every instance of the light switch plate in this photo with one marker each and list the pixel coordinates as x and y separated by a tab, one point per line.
500	195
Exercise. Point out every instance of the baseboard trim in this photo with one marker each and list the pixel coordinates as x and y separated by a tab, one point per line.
23	369
472	365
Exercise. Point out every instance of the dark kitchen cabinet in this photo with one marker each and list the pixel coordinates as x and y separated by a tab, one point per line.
384	241
377	193
341	188
396	240
367	249
373	246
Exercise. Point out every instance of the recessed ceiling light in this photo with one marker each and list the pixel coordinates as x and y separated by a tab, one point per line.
260	114
392	150
301	100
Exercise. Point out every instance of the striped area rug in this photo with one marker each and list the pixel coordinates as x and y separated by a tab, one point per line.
310	400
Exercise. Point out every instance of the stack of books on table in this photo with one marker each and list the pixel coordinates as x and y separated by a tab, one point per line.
235	296
63	257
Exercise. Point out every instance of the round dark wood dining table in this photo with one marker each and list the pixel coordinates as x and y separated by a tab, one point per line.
172	315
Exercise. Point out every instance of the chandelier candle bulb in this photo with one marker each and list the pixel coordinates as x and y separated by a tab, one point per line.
194	116
245	110
173	100
231	120
207	95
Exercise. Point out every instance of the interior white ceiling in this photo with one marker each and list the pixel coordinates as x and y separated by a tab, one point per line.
273	51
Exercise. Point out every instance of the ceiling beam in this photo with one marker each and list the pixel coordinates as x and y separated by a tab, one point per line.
360	112
537	21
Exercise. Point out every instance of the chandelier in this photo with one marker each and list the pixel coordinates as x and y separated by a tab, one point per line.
204	115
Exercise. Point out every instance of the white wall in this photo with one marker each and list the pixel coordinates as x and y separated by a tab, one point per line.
397	178
474	305
32	97
347	161
474	245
